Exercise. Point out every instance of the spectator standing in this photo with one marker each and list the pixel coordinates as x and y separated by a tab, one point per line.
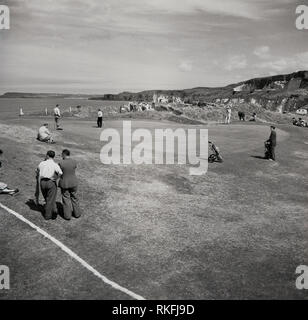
99	118
69	184
47	174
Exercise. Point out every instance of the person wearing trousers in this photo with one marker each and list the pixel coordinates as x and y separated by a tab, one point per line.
47	174
99	118
68	184
272	143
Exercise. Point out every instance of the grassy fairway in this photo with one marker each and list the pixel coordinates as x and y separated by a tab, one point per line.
237	232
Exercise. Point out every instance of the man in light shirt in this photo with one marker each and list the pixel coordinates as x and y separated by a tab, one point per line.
47	174
99	118
228	115
57	115
44	134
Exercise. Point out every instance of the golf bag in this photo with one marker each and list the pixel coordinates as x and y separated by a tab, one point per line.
215	155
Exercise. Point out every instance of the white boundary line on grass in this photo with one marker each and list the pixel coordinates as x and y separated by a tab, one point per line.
72	254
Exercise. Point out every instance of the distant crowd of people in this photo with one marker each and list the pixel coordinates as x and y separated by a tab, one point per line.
241	115
299	122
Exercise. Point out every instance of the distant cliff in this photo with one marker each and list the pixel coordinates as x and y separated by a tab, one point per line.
286	92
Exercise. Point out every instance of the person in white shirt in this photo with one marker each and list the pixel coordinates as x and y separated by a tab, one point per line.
44	134
228	115
57	115
48	172
99	118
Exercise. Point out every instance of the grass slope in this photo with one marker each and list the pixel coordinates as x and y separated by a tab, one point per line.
237	232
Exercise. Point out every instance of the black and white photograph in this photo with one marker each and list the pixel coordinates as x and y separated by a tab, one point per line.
153	150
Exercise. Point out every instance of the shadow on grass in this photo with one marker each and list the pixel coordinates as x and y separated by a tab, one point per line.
35	207
40	208
259	157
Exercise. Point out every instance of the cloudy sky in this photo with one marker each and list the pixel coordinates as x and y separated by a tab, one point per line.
100	46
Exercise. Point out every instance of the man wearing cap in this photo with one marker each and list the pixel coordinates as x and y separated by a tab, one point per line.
47	174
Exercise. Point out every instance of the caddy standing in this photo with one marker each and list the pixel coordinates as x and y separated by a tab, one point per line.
47	174
272	141
68	184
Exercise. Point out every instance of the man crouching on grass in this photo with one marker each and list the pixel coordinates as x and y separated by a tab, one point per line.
44	134
4	189
47	174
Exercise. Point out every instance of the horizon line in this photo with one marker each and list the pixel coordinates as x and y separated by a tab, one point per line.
119	92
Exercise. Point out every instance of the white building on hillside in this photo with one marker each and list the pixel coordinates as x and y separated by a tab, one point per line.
301	111
177	100
163	99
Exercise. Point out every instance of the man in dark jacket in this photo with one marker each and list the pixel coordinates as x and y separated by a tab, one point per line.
68	184
241	115
272	141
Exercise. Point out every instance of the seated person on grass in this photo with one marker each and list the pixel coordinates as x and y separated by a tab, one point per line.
302	122
44	134
4	189
253	117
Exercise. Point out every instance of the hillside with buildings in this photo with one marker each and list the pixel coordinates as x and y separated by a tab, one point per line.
282	93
